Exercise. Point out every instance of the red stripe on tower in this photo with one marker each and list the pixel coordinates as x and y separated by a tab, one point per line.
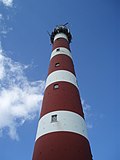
61	132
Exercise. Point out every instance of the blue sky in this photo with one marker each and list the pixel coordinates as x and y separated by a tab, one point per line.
24	58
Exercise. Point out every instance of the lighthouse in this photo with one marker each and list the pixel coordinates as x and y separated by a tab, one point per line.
61	132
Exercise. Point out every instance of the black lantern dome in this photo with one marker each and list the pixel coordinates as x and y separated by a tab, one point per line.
61	29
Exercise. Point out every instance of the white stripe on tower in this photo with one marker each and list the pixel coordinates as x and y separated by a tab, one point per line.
61	76
60	35
66	121
61	50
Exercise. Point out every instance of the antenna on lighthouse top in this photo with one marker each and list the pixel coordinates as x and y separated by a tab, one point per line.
65	24
61	29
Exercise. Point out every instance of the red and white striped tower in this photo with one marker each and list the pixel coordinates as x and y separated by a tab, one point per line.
62	133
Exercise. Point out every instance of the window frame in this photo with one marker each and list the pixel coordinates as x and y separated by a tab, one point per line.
54	118
57	64
58	49
56	86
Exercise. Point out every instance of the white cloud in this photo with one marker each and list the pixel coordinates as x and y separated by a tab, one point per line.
1	16
20	99
87	113
7	3
3	28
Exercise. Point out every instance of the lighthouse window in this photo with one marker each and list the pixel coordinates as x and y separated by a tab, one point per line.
56	86
58	49
54	118
57	64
